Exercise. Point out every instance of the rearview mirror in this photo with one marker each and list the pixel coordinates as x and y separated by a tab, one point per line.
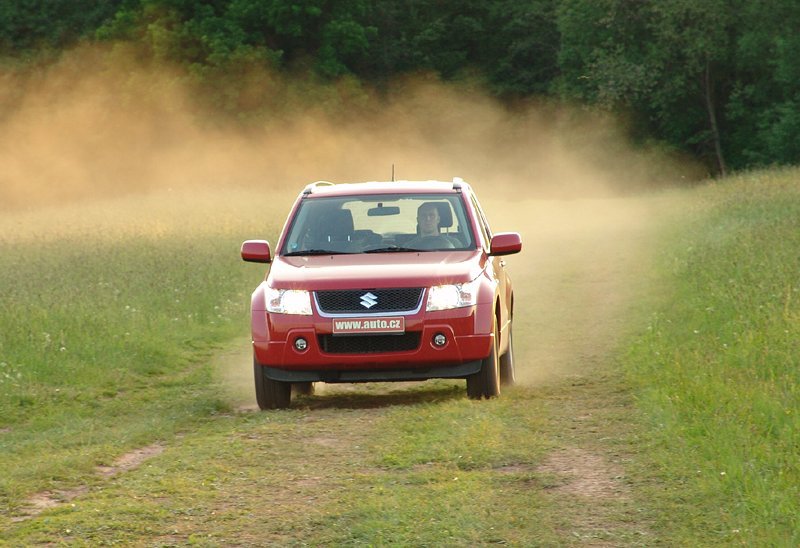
382	211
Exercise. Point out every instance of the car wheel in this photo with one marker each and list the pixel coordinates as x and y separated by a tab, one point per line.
270	394
486	382
303	388
507	375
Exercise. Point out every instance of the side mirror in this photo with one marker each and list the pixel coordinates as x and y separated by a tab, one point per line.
505	243
256	251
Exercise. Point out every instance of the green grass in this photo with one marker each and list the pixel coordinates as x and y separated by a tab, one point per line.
325	476
108	317
694	425
718	369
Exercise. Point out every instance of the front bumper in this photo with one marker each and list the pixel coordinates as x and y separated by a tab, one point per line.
468	332
459	371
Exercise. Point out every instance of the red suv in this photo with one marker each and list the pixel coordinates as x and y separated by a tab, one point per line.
392	281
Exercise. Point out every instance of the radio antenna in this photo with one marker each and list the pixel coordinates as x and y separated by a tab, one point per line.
392	172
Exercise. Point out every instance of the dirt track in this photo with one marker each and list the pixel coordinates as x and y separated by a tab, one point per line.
579	275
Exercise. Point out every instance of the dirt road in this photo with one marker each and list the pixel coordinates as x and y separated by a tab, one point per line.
580	272
579	276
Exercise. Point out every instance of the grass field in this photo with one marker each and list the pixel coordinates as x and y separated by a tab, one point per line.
717	372
681	428
109	313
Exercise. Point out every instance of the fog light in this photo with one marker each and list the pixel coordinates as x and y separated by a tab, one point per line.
439	340
300	344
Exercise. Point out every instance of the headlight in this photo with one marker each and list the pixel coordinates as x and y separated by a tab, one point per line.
289	301
444	297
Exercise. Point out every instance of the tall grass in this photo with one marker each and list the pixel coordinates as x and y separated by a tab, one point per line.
719	367
107	316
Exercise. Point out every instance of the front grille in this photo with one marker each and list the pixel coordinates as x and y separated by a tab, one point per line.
349	301
369	344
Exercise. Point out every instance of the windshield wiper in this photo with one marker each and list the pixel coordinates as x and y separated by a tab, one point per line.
392	249
315	252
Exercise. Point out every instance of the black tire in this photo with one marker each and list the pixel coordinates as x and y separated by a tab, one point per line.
303	388
486	382
474	387
508	376
270	394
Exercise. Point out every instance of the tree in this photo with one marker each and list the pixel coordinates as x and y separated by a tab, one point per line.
665	62
30	24
764	107
692	46
520	55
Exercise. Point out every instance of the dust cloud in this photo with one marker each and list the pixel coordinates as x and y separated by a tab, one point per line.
582	281
101	124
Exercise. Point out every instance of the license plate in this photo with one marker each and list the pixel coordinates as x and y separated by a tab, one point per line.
350	326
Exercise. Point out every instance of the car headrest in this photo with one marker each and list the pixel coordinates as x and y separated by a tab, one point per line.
339	224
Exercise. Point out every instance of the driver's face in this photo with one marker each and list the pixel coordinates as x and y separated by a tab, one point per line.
428	219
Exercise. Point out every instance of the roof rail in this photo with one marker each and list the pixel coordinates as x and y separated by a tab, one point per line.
457	182
309	188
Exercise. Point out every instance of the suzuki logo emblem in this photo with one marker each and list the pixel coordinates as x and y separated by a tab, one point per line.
368	300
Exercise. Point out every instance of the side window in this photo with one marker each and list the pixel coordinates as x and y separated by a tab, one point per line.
486	233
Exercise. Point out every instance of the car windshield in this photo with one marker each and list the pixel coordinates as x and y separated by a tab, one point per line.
386	223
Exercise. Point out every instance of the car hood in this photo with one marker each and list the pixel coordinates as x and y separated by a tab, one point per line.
376	270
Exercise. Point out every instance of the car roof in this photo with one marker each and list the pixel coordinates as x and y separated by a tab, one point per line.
325	188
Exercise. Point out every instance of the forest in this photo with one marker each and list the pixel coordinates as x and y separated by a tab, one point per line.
716	79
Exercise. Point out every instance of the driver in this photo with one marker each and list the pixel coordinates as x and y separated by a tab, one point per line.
428	220
428	228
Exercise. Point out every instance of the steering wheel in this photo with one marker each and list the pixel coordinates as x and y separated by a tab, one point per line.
431	242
